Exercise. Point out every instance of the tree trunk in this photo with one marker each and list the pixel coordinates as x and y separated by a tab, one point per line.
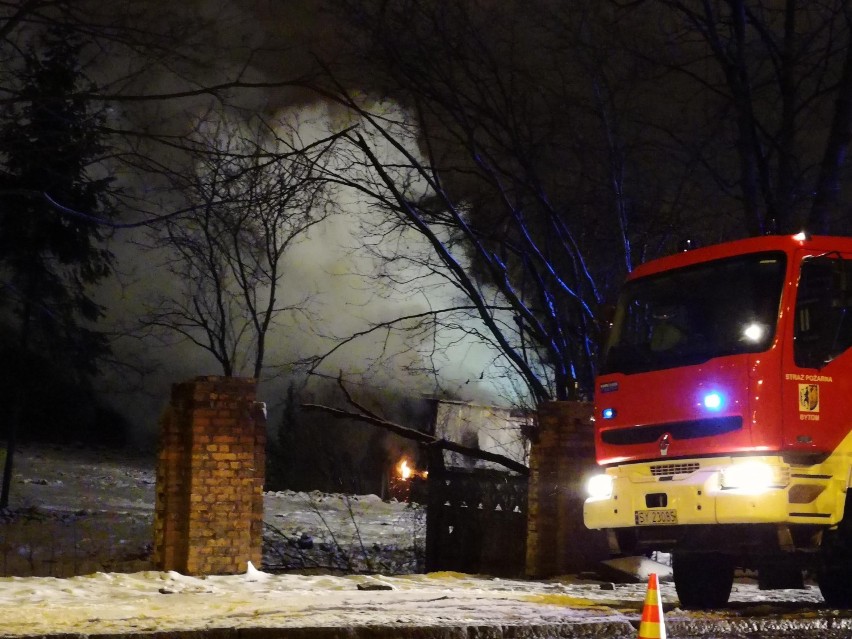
11	447
17	410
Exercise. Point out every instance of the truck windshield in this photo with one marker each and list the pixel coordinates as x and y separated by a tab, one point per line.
690	315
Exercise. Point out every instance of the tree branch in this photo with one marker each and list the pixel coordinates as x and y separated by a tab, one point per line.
423	438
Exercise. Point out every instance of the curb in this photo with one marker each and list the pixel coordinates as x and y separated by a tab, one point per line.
609	630
830	628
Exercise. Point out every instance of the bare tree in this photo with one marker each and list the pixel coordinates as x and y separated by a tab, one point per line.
252	193
543	152
780	81
517	174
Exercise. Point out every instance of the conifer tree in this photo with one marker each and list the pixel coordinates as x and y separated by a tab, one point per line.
51	248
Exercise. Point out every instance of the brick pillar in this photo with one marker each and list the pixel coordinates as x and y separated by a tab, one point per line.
562	457
210	470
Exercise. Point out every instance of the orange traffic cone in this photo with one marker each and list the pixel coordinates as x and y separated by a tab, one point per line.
652	625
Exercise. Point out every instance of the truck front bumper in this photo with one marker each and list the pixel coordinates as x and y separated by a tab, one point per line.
700	492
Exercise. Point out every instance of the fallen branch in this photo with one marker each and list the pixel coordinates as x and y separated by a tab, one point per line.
423	438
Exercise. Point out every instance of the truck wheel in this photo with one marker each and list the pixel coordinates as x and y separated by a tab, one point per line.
834	572
703	580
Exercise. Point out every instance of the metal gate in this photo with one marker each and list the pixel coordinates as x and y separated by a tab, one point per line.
476	522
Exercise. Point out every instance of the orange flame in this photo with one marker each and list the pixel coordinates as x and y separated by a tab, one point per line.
406	472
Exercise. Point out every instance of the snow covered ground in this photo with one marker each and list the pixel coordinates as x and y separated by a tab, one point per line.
158	601
76	511
104	489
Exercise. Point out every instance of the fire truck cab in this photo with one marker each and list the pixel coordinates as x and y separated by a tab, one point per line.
723	416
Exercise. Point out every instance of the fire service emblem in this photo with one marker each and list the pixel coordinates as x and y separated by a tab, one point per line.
809	398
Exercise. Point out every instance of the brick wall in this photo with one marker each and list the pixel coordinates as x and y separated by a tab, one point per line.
210	470
562	457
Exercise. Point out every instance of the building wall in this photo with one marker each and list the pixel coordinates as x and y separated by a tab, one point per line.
495	430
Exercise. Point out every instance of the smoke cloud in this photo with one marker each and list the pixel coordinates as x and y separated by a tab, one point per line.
339	269
336	267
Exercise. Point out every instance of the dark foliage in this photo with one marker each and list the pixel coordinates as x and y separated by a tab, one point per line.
48	255
61	407
50	251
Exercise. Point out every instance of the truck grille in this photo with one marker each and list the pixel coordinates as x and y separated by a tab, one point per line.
666	470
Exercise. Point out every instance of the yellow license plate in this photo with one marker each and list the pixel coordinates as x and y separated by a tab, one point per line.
655	517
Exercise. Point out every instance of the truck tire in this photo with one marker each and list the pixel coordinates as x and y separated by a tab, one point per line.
703	580
834	571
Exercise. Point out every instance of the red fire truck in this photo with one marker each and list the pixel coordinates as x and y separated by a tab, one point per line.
723	416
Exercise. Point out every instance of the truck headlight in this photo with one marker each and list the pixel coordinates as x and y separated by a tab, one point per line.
752	476
599	487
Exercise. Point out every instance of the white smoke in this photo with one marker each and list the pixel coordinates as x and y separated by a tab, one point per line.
338	267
